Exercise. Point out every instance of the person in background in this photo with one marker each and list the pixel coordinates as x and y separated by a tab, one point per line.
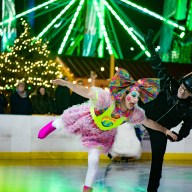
20	102
172	106
96	120
3	103
62	98
76	98
41	102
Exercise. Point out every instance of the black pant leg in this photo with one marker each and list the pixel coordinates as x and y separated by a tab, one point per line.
158	146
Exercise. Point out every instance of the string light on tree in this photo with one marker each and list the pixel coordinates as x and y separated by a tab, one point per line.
28	60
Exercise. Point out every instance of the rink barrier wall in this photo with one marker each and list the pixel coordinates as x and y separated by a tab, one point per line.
18	140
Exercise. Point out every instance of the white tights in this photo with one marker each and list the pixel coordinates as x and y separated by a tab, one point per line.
93	164
58	123
93	157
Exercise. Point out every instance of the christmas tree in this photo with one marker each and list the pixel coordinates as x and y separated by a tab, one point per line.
29	60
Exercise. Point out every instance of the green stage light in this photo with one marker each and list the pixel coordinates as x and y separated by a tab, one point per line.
182	35
55	19
70	27
128	29
102	23
153	14
27	12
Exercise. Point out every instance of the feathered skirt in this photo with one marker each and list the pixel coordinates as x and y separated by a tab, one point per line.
78	120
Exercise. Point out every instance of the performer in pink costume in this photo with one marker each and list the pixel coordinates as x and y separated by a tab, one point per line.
97	119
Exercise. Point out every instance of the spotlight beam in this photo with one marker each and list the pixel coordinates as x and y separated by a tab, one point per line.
127	20
153	14
70	27
52	8
66	22
55	19
102	23
128	29
27	12
115	35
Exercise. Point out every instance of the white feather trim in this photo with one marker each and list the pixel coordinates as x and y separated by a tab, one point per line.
126	143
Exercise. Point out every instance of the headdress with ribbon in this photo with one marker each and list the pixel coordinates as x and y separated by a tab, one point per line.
122	82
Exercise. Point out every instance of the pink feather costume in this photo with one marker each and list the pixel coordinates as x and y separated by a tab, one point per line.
78	120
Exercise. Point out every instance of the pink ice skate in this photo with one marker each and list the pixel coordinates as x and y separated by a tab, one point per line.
46	130
87	189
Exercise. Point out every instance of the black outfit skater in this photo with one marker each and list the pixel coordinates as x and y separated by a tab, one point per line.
168	110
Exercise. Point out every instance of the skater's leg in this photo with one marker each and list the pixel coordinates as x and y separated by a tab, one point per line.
50	127
93	164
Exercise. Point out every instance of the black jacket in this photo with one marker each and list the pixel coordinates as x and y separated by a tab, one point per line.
3	103
20	105
42	104
62	99
167	109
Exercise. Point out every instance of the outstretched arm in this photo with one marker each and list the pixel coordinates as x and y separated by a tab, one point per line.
158	68
156	126
80	90
185	128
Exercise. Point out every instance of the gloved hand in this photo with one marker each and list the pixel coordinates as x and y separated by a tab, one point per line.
149	37
149	41
179	137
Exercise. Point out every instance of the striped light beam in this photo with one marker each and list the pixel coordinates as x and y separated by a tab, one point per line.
153	14
27	12
102	23
128	29
71	26
55	19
